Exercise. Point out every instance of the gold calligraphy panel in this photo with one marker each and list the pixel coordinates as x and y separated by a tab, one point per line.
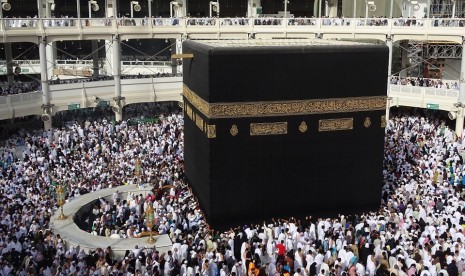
383	121
336	124
189	112
199	122
268	128
211	131
284	108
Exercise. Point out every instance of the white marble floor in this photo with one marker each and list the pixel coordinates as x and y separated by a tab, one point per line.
74	236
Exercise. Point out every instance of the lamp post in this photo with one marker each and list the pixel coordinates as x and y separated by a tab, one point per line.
355	8
92	5
214	7
367	5
61	200
89	3
134	7
78	10
413	4
390	10
174	7
285	8
50	6
5	6
326	8
428	11
150	8
137	168
150	219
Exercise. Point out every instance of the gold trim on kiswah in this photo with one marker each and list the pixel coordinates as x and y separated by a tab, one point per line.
383	121
336	124
189	112
199	122
211	131
195	100
234	130
284	108
268	128
303	127
367	122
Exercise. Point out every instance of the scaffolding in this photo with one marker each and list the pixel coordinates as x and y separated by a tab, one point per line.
443	50
428	59
415	55
447	8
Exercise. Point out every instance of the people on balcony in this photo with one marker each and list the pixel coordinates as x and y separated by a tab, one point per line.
425	82
69	21
19	87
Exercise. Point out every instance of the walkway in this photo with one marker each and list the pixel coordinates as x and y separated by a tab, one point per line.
17	30
83	95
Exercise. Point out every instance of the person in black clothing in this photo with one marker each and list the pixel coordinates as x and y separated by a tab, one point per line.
382	271
452	269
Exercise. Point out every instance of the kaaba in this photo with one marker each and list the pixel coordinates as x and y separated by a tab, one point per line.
280	128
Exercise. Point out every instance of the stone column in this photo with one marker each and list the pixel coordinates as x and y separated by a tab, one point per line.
388	103
461	112
116	45
45	11
46	106
333	8
9	64
174	61
95	61
179	51
110	12
252	6
51	58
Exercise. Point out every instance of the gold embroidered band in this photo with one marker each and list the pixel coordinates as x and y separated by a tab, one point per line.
284	108
210	130
268	128
336	124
